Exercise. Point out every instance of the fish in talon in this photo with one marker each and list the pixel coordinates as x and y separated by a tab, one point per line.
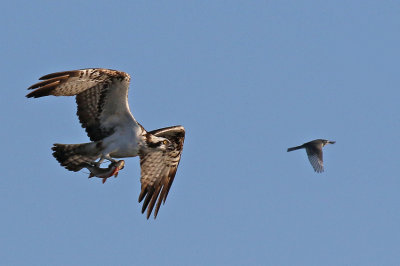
104	173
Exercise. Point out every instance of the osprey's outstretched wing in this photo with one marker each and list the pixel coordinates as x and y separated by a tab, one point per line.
101	96
158	168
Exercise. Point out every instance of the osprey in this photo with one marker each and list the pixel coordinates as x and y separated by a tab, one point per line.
314	152
103	110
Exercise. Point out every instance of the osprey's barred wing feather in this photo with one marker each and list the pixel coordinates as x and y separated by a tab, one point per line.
158	169
101	96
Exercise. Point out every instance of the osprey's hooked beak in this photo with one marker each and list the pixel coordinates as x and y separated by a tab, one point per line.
171	147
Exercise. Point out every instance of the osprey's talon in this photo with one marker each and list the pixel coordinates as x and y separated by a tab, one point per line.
109	158
96	164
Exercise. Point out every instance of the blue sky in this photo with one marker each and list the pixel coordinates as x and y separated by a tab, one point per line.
247	80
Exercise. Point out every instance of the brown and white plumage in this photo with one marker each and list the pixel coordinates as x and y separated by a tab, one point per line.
314	152
103	110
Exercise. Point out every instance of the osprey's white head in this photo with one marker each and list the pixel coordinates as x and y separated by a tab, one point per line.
158	143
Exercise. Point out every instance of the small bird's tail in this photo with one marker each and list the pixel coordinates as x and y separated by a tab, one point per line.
295	148
76	156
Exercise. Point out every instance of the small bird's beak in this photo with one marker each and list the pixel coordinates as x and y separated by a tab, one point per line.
331	142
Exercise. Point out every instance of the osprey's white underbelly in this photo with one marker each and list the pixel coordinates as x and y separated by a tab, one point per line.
124	142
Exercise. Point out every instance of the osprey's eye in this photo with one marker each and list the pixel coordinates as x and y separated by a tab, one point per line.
165	142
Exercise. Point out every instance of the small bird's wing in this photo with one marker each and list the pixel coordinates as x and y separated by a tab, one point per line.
314	153
158	169
101	96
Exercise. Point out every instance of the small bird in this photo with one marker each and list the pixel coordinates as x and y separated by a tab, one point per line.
314	152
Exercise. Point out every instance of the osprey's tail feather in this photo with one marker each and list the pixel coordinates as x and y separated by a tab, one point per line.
295	148
75	156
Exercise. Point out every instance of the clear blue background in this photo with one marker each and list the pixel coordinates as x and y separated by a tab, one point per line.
247	79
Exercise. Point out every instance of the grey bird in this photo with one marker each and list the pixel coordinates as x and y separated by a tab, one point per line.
314	152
